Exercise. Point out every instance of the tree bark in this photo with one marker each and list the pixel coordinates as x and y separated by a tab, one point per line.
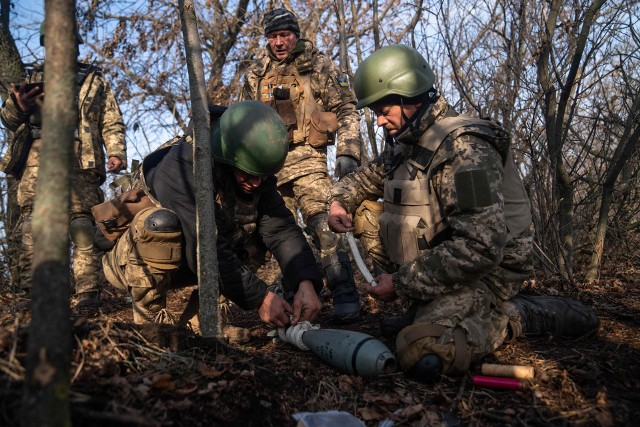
46	397
12	71
208	274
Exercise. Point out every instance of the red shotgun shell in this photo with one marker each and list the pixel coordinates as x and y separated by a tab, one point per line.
498	382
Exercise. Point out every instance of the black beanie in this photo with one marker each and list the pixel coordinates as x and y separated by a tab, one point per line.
280	19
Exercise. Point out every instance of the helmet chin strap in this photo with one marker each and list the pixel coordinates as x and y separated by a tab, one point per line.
409	122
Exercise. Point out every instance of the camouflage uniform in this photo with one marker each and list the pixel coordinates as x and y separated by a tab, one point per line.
315	86
454	230
311	76
100	124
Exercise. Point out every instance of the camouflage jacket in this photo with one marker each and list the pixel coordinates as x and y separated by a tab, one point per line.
99	124
453	214
330	90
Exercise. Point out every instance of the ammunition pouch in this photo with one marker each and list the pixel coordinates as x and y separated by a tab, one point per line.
14	160
323	129
287	112
114	216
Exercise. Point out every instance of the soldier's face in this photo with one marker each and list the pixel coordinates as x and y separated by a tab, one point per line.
282	42
247	182
390	116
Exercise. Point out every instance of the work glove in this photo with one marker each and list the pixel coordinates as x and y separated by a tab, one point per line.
345	165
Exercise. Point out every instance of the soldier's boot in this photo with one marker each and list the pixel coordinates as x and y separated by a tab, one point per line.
87	264
337	269
535	315
339	273
149	306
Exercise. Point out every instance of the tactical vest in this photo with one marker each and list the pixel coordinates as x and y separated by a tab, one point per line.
300	94
413	220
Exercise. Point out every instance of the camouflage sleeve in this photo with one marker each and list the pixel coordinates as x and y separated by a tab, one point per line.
366	183
248	88
11	115
112	126
338	98
469	186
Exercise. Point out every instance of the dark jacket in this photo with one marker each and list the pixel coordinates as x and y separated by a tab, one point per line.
170	181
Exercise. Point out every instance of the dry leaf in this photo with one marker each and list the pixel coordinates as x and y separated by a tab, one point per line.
208	371
163	382
370	414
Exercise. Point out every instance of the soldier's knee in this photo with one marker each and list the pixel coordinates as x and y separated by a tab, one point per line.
366	221
423	356
162	221
158	238
81	232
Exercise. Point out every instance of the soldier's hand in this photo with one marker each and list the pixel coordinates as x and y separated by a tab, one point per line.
274	310
339	220
306	303
384	291
28	98
345	165
114	164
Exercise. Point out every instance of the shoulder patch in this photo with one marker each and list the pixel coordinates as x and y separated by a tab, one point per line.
343	81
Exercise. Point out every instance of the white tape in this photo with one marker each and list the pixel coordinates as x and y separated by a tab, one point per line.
359	261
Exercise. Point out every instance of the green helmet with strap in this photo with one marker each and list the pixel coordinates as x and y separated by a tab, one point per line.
42	29
392	70
252	137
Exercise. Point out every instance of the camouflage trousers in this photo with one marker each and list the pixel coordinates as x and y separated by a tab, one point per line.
459	325
85	193
308	193
143	263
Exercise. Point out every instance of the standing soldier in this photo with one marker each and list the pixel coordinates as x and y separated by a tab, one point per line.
314	99
99	125
453	232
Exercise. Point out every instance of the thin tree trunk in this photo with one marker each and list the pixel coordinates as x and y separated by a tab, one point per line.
46	397
208	273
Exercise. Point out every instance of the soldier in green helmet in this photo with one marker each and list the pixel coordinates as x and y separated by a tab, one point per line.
156	247
453	233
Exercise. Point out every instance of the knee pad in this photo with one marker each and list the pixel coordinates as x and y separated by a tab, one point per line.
81	232
366	220
158	238
421	339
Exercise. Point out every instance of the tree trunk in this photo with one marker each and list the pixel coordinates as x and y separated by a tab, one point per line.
208	274
46	397
12	71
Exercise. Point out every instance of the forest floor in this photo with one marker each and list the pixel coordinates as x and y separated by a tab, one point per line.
124	376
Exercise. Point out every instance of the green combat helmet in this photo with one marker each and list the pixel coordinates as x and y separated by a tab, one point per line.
252	137
393	70
42	27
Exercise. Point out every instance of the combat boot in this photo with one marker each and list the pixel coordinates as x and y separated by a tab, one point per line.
339	273
535	315
336	266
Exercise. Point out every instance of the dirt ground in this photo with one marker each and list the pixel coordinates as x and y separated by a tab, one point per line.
126	376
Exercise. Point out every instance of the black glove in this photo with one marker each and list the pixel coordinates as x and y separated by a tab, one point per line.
345	165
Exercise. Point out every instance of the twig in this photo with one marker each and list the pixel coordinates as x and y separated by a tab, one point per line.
81	363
